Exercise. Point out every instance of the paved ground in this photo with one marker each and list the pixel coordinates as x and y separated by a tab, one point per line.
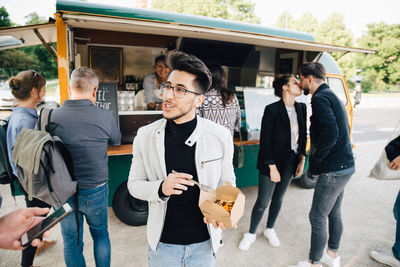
367	215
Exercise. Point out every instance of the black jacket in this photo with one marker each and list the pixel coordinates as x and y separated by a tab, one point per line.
393	149
275	137
330	133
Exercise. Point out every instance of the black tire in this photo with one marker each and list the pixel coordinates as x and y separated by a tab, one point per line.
129	210
306	181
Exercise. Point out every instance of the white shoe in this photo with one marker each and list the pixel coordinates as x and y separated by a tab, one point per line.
301	264
328	260
385	258
247	240
270	234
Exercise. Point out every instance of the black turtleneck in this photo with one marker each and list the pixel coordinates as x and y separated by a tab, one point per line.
183	221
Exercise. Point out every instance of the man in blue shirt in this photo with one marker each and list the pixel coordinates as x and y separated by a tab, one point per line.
86	131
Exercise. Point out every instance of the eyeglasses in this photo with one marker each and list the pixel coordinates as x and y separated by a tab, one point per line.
178	91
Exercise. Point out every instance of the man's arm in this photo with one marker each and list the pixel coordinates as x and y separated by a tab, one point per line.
393	149
329	131
139	185
115	134
227	173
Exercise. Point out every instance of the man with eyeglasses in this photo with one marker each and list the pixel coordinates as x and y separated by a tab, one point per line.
331	159
167	155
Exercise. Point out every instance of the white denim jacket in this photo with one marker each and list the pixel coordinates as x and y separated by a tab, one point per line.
213	156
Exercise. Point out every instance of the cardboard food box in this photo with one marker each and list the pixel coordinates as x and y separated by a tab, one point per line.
225	193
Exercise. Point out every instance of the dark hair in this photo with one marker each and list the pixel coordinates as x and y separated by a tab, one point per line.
22	84
191	64
218	76
315	69
160	58
279	83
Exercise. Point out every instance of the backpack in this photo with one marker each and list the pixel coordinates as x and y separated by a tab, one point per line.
6	173
44	164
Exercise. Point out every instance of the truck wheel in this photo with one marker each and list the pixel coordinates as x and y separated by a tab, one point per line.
306	181
129	210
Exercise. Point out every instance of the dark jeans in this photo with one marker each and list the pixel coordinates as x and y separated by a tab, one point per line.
274	192
326	205
396	211
28	254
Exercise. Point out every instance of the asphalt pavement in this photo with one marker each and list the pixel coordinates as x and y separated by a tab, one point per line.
366	211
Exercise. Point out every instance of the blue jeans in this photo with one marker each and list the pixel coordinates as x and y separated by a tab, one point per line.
93	204
193	255
396	211
326	205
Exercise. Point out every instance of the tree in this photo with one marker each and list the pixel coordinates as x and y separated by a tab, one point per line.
381	70
332	31
34	18
306	23
4	18
239	10
285	21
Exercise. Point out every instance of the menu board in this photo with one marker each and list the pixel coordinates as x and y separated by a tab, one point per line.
106	98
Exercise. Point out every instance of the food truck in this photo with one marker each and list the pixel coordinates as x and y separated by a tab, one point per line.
121	43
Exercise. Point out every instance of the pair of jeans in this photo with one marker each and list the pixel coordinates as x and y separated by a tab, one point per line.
326	205
193	255
274	192
28	254
93	205
396	211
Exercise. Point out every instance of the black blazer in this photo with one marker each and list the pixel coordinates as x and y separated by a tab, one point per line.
275	137
329	133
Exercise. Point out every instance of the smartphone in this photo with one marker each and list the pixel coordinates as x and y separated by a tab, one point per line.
37	230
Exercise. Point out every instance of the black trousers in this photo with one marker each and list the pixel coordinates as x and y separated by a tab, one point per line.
28	254
274	192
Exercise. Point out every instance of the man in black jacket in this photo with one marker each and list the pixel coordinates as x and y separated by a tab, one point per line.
331	158
392	258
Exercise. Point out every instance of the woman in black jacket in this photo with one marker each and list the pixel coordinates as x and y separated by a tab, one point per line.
281	155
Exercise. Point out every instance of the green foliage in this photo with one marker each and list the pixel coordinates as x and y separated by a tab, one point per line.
383	67
36	57
4	18
239	10
33	18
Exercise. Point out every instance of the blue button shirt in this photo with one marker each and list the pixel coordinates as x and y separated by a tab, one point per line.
21	118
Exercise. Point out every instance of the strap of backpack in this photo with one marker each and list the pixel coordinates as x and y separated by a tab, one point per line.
44	118
76	204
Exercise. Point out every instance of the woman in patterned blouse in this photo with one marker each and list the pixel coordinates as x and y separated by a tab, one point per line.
220	104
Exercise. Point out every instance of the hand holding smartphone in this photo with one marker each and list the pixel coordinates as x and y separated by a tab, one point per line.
38	230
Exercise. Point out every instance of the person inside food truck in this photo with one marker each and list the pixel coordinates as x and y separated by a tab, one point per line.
151	83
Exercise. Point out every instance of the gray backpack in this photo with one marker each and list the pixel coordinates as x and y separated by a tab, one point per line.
44	164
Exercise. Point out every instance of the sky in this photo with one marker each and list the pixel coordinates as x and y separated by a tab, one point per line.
357	13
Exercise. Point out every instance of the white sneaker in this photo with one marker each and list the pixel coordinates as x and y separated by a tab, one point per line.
246	241
328	260
270	234
301	264
385	258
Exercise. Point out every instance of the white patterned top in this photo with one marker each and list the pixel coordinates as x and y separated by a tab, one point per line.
214	110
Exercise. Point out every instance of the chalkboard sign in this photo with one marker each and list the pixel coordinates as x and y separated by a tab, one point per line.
106	98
